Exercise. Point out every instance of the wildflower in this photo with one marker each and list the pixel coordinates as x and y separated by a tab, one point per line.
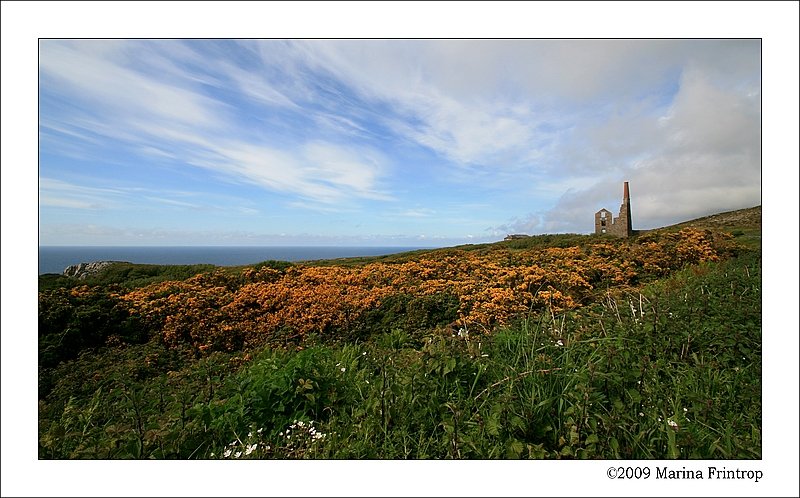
237	454
250	449
343	369
260	430
685	410
559	343
484	356
364	353
212	454
249	434
367	382
641	414
227	453
672	424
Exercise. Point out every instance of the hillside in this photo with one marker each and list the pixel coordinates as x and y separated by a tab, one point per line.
554	346
744	224
741	219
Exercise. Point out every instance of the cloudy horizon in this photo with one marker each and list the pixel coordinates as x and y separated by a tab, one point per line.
388	142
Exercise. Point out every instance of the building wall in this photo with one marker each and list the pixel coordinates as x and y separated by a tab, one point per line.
603	222
622	225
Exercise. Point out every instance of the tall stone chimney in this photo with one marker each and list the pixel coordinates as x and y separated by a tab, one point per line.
623	221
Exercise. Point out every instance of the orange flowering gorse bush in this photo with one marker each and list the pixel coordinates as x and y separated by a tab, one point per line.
226	311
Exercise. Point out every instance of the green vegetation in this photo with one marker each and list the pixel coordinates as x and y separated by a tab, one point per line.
669	369
126	275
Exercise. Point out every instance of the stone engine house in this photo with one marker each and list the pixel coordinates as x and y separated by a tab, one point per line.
604	221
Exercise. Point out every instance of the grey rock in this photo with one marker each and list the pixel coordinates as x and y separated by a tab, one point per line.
83	270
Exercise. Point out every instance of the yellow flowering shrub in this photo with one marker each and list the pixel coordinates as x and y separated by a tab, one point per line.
222	310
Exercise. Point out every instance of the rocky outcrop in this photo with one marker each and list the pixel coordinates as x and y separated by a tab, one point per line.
83	270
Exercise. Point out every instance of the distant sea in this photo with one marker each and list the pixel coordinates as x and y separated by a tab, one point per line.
54	259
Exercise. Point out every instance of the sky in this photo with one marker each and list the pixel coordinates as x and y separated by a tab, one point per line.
388	142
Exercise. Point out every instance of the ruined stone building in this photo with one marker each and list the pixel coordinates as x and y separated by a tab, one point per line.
604	221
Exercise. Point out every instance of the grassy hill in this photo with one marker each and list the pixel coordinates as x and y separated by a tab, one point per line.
555	346
744	224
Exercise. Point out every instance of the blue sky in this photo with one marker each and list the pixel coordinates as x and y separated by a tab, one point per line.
388	142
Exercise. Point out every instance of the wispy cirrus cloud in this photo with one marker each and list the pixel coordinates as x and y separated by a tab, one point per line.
57	193
178	117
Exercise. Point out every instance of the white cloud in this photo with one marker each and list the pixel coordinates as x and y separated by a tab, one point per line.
123	94
57	193
99	74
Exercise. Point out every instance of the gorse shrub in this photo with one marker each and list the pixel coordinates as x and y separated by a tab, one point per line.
224	311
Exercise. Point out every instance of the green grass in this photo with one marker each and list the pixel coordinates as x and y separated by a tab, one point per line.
127	275
672	370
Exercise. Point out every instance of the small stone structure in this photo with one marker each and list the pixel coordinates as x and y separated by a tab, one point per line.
516	236
605	223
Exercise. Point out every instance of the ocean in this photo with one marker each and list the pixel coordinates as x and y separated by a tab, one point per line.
54	259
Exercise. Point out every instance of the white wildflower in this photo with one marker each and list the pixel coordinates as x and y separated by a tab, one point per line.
685	410
237	454
250	449
249	434
227	453
641	414
559	343
260	430
343	369
672	424
484	356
